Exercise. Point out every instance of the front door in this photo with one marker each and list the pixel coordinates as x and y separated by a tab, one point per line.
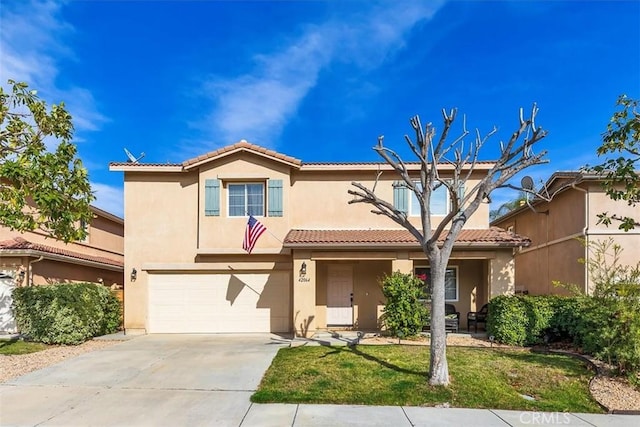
340	295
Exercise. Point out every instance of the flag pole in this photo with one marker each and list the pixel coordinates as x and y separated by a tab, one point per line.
267	230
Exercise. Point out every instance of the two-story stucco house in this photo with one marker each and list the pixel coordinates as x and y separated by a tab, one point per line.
558	228
32	258
319	263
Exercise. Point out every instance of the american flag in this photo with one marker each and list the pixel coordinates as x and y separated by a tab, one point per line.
252	233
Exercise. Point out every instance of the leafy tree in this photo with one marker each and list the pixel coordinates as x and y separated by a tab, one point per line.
509	206
621	179
461	159
40	188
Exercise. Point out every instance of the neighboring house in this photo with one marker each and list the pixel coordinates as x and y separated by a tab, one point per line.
556	229
319	264
32	258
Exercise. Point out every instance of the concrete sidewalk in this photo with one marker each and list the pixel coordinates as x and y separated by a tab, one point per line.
277	415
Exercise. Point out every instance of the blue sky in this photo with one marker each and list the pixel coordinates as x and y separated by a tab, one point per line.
319	80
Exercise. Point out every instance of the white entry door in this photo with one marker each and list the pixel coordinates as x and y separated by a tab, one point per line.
339	295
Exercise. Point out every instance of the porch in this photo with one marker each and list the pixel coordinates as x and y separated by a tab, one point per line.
341	294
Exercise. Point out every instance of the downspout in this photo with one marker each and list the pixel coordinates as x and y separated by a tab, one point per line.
585	233
30	272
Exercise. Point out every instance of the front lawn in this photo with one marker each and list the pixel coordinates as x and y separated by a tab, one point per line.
397	375
11	347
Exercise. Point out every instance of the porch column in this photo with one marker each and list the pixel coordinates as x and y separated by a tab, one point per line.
502	274
402	263
304	295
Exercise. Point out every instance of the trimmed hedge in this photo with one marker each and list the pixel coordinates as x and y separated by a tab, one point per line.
607	328
66	313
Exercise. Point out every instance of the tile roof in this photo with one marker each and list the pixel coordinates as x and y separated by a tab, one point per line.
400	237
144	164
246	146
18	243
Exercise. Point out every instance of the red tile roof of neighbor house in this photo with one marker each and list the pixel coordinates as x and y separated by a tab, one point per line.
20	244
489	237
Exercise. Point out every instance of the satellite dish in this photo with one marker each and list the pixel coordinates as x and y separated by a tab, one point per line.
132	158
527	183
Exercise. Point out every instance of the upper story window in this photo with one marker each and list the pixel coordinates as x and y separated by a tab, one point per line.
246	199
439	202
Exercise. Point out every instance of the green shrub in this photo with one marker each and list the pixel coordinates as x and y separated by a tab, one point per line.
404	313
66	313
605	327
507	320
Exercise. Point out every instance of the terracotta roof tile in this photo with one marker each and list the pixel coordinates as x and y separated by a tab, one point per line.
18	243
400	237
242	145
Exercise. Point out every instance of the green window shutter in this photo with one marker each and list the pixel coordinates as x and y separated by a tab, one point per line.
274	201
400	196
212	197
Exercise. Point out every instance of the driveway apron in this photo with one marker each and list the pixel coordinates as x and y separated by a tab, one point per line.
150	380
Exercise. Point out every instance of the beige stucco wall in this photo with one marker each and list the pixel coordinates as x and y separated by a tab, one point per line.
47	272
160	226
225	232
555	230
319	198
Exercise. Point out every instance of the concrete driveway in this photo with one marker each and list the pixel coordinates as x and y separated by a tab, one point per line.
154	380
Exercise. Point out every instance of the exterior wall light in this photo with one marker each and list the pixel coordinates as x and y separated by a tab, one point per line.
134	274
303	269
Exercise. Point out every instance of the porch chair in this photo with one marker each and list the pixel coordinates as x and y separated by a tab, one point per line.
476	317
452	318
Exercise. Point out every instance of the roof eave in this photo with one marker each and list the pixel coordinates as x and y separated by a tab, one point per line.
190	166
393	245
58	257
137	167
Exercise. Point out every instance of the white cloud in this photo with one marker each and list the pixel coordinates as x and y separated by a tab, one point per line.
32	43
257	106
109	198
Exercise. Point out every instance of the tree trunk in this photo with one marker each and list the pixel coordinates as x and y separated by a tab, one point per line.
438	367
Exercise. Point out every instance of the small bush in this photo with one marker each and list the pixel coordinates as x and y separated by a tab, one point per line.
507	320
404	313
66	313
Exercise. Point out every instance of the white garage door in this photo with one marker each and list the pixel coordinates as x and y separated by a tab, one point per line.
210	303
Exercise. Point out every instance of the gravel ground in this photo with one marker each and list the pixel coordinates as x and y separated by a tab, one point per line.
612	392
17	365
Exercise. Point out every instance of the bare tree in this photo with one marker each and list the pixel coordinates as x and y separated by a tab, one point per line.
431	151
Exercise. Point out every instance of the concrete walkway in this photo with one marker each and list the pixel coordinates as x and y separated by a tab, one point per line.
278	415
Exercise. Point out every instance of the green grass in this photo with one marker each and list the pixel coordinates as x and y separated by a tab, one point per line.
11	347
397	375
